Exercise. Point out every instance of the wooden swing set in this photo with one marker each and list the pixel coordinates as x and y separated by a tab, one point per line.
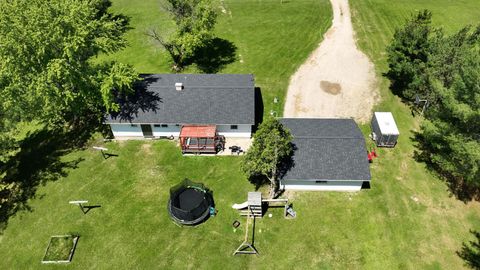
254	210
247	247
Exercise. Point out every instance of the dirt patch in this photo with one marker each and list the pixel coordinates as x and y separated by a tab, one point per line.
331	88
337	80
147	148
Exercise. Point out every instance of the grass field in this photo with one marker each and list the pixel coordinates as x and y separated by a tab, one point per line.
272	39
407	220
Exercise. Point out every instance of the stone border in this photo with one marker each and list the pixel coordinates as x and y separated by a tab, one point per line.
75	240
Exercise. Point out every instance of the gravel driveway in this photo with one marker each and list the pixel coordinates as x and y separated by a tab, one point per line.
337	80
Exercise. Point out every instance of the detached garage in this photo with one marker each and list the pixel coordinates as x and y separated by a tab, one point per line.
329	154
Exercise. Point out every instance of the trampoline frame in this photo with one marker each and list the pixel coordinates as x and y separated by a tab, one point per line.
187	184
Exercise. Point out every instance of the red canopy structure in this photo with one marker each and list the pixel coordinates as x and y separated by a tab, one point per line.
201	139
198	131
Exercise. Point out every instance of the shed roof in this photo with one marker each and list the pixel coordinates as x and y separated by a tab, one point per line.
204	99
327	149
198	131
386	123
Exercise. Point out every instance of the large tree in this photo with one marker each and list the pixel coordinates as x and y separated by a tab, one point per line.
195	21
49	74
409	54
444	69
48	69
450	135
269	155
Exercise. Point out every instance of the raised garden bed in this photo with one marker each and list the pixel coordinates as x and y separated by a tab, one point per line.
60	249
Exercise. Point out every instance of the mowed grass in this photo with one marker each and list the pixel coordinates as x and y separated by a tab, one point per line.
272	39
432	235
407	220
381	228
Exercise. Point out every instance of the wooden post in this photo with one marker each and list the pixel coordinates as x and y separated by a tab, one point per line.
284	201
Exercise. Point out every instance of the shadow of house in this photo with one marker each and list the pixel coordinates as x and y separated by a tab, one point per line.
142	100
37	162
259	109
213	57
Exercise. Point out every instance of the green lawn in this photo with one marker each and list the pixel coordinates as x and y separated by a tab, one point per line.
272	39
407	220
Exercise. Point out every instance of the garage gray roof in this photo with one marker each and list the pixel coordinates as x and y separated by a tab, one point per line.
205	99
327	149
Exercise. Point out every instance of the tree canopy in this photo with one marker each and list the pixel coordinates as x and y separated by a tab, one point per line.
47	66
409	54
195	21
49	75
444	70
470	252
269	154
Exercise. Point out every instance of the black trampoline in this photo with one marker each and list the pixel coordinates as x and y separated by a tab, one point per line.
189	203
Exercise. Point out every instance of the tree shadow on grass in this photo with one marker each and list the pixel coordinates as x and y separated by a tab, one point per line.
215	55
459	188
38	161
470	252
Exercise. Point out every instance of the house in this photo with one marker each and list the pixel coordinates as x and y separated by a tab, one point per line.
329	154
164	104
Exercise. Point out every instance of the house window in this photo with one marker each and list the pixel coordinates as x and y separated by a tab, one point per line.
234	127
321	182
164	125
156	125
133	125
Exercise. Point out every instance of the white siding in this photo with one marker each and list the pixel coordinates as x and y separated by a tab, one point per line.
329	186
171	130
126	130
243	131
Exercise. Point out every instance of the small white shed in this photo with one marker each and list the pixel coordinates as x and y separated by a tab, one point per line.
384	129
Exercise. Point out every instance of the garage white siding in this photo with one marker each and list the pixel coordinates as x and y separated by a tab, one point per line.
328	186
242	131
126	130
170	130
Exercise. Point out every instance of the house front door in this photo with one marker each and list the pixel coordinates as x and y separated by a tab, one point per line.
147	131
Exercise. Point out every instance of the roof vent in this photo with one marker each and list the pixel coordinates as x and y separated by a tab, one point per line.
179	86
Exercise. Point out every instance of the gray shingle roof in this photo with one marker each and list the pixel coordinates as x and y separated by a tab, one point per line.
205	99
327	149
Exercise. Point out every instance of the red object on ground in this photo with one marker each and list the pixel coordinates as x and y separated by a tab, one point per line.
369	156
